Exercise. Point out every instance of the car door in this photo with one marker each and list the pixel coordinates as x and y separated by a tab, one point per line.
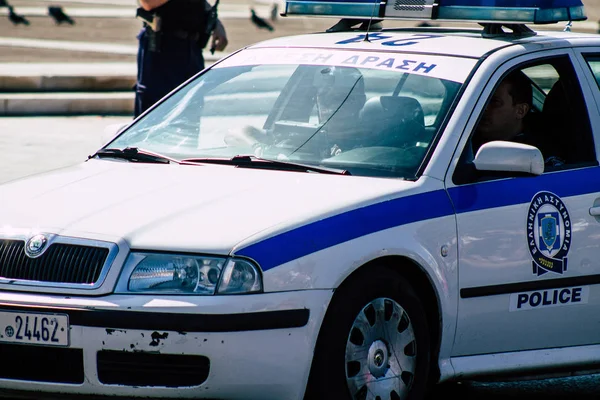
528	246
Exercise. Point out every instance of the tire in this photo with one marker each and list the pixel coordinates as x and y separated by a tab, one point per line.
374	342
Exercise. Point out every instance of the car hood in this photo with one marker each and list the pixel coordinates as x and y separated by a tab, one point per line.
205	208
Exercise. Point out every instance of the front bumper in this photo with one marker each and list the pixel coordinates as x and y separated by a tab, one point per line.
226	347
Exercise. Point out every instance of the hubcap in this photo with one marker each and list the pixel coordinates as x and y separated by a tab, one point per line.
380	352
378	357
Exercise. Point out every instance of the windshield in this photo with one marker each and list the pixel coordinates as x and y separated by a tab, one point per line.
376	118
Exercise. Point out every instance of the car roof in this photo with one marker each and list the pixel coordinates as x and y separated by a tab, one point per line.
461	42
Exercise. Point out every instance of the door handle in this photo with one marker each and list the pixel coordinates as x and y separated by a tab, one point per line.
595	211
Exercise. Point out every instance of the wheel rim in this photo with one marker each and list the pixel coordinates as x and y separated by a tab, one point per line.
381	352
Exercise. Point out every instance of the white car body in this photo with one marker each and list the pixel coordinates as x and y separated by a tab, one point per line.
309	232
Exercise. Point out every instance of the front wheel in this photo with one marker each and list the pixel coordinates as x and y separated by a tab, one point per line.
374	342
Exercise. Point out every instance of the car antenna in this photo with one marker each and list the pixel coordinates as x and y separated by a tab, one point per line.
370	20
569	23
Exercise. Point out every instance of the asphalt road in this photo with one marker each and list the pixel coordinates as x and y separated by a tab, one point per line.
572	388
37	144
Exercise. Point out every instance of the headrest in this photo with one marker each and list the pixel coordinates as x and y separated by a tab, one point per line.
395	108
556	100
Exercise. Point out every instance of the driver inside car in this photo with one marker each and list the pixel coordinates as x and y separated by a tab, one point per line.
338	94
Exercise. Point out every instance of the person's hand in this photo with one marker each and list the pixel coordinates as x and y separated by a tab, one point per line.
219	37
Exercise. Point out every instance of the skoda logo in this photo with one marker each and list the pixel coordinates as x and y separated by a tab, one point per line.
35	246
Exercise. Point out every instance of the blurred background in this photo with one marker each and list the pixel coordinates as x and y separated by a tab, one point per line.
105	30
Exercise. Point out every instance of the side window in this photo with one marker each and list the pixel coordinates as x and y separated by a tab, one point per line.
543	78
539	104
564	131
594	64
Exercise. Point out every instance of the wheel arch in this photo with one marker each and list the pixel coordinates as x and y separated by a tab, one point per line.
422	285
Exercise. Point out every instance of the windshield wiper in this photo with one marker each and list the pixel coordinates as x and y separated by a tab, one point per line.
245	161
134	154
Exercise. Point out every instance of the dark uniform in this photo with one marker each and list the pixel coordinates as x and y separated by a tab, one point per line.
170	56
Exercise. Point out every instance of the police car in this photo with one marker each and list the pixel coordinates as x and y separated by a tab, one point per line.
307	218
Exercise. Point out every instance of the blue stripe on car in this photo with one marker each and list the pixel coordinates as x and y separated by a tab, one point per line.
507	192
340	228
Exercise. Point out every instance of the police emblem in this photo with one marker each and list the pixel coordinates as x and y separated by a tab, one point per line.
548	233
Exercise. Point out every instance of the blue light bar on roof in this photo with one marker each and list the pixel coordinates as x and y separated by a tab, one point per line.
501	11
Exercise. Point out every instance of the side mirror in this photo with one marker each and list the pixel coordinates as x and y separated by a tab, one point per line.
509	157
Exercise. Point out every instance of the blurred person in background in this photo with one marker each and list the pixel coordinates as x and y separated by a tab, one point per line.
171	42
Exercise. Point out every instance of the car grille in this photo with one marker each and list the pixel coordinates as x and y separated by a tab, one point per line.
42	364
64	263
148	369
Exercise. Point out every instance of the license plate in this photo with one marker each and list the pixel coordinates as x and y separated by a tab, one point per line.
33	328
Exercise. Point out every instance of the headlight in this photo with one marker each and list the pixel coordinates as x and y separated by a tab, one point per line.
239	276
186	274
